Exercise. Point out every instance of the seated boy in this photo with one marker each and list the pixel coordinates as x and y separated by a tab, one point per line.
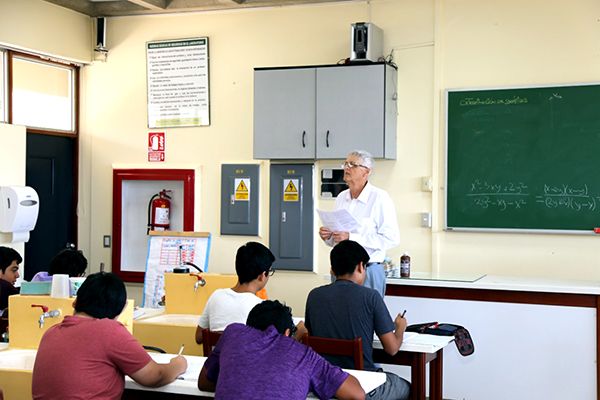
261	361
225	306
88	354
68	261
9	273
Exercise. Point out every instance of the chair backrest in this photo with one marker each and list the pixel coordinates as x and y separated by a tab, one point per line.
209	340
337	347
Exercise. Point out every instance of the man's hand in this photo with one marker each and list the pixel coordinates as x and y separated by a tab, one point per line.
400	323
300	331
339	236
325	233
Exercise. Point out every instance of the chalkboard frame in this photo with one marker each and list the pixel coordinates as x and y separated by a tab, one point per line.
450	228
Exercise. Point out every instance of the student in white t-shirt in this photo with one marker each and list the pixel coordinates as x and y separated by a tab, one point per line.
253	263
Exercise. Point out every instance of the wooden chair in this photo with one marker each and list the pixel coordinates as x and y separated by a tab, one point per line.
337	347
209	340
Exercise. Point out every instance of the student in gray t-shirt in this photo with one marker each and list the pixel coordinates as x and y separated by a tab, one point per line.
346	309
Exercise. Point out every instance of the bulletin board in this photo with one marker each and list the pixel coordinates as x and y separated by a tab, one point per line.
167	250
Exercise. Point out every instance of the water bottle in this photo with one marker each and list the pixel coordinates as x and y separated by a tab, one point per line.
405	265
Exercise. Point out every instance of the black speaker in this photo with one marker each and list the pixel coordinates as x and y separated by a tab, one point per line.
100	33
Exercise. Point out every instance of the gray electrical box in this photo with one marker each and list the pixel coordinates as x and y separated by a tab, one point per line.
291	217
332	182
239	199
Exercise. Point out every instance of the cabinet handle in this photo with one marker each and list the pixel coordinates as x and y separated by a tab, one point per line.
327	139
303	136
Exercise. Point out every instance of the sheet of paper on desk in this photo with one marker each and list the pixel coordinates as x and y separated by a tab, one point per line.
338	220
194	365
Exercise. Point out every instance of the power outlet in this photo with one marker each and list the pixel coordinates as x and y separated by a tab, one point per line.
106	241
426	184
426	220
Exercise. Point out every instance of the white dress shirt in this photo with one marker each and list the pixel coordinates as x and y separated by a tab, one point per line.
378	226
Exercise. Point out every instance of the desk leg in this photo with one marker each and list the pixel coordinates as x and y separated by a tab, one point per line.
417	376
436	378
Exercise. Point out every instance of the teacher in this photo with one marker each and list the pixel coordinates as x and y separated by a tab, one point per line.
377	229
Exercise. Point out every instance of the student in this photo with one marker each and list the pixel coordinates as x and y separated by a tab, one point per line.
9	273
346	309
253	263
261	361
68	261
88	354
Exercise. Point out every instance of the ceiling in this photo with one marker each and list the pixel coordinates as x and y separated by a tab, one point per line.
110	8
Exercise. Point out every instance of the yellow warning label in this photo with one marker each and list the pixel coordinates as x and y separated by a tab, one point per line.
242	189
290	190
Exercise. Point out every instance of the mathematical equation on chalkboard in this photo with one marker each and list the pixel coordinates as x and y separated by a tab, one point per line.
517	195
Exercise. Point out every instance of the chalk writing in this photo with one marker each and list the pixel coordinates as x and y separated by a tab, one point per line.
515	195
488	101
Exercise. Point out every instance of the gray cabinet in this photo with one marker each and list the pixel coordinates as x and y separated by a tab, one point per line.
324	112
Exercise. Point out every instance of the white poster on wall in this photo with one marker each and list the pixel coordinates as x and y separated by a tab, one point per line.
178	93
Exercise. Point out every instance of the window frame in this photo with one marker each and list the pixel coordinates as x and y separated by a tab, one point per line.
4	85
75	70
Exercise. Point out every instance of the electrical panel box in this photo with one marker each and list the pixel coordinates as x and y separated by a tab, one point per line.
291	229
332	182
239	199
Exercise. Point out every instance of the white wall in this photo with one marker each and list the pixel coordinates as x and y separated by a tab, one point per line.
437	45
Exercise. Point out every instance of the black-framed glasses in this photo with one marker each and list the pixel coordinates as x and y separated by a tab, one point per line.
270	272
351	164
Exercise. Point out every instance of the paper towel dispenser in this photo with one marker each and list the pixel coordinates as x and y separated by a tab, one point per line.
19	207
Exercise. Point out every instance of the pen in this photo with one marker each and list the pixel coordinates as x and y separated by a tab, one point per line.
181	349
404	312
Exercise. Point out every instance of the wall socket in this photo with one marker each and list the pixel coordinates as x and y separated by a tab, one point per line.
106	241
426	184
426	220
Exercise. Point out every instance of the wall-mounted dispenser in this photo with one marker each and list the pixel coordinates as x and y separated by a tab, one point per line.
19	207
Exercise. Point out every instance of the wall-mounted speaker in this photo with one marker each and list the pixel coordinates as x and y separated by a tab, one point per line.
101	34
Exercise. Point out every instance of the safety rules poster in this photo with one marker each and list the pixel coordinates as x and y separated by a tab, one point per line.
178	92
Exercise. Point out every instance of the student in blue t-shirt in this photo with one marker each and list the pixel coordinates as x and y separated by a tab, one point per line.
261	360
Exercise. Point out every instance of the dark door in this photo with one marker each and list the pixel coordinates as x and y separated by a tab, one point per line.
50	171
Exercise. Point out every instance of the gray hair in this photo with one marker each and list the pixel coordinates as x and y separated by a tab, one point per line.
365	156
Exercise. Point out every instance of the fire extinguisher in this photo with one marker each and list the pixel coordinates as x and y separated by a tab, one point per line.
159	208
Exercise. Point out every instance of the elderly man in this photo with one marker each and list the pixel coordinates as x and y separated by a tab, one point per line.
374	210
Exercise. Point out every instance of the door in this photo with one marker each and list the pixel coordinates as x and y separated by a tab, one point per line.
284	113
51	171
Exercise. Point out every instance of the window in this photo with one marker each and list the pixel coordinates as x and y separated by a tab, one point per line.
2	86
43	94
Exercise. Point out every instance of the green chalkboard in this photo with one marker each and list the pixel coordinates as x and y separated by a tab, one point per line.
525	158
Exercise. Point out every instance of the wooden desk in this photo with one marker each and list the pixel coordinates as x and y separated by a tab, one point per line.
417	351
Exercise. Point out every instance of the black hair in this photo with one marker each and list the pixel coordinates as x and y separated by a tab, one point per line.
7	256
251	260
271	312
101	295
68	261
346	255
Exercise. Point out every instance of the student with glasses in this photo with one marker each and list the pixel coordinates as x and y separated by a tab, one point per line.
253	266
373	208
259	360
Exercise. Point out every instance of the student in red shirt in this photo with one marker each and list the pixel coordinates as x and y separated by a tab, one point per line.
88	354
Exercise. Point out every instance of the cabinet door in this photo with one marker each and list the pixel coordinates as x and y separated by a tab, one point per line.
284	113
350	110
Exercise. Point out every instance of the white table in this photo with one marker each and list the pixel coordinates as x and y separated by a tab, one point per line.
187	384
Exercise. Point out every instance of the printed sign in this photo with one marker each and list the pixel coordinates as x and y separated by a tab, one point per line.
290	190
242	189
178	83
156	146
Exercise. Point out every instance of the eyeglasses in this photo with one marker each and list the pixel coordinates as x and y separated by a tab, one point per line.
351	164
270	272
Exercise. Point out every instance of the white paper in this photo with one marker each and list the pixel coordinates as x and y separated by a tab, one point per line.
338	220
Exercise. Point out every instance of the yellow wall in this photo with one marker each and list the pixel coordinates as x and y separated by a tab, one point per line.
43	27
